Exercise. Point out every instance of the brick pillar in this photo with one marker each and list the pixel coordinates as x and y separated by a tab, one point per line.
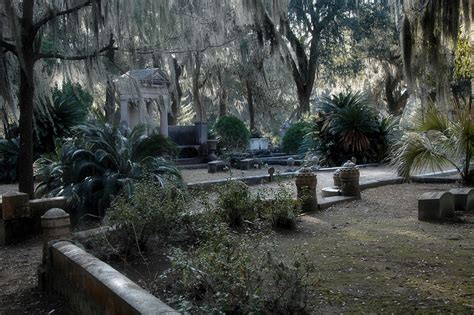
306	182
56	225
15	205
349	178
337	178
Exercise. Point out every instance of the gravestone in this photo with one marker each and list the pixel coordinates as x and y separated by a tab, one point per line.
216	166
463	198
271	171
290	161
249	163
435	206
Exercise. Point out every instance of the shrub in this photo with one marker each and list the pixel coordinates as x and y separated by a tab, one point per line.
54	120
9	149
232	275
57	119
293	137
150	210
282	211
345	127
232	133
437	142
235	204
101	160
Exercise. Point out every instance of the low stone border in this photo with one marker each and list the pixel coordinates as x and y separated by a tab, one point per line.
91	286
249	180
22	225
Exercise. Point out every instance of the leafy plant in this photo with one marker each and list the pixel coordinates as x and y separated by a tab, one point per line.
293	137
150	210
235	275
69	108
235	204
232	133
437	142
102	160
9	149
281	211
346	126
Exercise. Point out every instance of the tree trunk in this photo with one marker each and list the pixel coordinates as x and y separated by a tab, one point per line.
27	92
251	107
176	91
197	85
25	159
222	95
303	99
109	109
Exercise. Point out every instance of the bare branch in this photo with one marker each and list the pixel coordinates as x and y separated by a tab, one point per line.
179	51
8	46
98	53
54	14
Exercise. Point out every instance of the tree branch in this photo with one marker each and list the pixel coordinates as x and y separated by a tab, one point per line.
8	46
107	48
55	14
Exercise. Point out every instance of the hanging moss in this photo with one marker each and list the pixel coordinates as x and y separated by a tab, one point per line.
429	35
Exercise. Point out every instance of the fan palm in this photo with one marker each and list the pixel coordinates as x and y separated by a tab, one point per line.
436	143
102	160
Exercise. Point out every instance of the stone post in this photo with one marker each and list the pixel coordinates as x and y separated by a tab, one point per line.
349	178
306	189
56	225
15	205
212	149
124	113
271	172
337	178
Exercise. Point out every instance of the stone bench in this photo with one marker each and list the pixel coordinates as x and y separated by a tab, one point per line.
463	198
216	166
435	206
247	164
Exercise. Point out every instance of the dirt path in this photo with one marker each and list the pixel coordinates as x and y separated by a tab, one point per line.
18	281
374	255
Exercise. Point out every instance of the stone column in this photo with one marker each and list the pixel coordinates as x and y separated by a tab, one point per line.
15	205
56	225
212	149
163	117
349	178
306	182
124	114
337	178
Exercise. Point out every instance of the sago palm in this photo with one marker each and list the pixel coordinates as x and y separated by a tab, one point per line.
101	161
437	143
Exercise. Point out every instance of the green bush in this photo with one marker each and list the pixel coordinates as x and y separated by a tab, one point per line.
233	275
9	149
57	119
281	211
294	136
101	161
52	121
150	210
235	204
232	133
346	126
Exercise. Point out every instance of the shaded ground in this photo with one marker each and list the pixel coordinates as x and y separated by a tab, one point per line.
371	255
374	255
18	281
